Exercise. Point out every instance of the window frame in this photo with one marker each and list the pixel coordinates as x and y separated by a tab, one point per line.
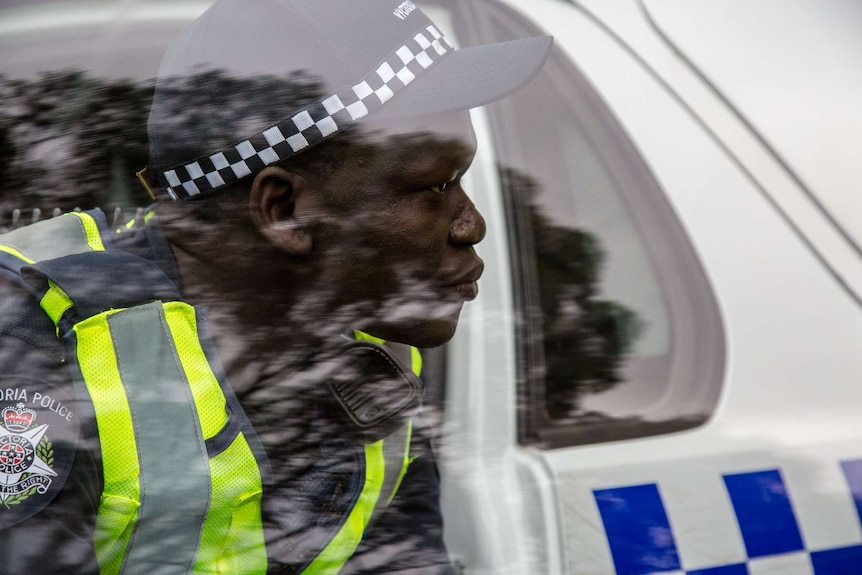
696	357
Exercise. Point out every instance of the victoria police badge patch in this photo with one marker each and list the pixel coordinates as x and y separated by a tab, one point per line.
38	438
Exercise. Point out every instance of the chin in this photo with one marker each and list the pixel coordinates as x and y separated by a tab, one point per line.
419	332
433	333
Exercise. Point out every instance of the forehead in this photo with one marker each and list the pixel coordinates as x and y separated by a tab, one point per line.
389	156
451	131
434	147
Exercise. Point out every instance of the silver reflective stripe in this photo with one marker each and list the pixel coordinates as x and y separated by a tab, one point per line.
394	452
174	478
395	447
49	239
402	353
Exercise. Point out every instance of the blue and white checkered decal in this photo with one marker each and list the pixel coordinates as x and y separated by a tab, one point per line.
642	541
311	125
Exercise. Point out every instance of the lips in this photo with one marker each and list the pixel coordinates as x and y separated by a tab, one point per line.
466	286
467	291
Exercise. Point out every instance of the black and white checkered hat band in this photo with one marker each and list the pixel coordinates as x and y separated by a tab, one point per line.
311	125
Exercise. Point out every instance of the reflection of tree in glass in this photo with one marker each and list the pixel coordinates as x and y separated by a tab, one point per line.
72	141
585	338
193	111
68	139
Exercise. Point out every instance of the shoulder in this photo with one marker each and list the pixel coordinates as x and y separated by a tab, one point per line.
22	320
39	416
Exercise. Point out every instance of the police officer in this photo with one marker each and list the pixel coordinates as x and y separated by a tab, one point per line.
229	384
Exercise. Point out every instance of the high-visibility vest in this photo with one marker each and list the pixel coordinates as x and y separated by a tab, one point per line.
183	470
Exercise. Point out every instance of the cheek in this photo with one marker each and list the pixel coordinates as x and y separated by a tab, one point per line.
401	237
421	247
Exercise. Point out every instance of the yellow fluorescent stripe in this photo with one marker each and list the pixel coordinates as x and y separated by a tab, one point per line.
91	228
406	463
415	361
115	523
55	302
342	546
147	217
232	538
16	253
121	497
362	336
209	398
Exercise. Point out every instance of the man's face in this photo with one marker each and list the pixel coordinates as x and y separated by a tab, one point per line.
400	229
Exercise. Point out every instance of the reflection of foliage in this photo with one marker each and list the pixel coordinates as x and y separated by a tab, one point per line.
69	140
585	338
192	112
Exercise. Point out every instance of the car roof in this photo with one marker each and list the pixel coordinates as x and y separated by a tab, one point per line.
791	69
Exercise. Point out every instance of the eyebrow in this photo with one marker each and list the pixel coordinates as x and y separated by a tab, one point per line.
415	148
418	166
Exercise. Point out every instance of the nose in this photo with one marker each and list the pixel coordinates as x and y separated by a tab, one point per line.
468	226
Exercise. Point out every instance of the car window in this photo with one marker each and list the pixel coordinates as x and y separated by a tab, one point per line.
620	336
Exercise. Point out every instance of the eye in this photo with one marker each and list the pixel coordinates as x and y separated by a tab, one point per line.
439	188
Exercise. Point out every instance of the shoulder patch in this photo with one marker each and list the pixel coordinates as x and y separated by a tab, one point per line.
38	440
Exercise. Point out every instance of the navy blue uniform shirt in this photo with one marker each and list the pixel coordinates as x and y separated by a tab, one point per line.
47	518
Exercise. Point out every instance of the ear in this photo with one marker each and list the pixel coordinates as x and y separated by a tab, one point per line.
275	196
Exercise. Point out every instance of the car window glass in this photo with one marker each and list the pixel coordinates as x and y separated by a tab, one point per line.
621	336
76	83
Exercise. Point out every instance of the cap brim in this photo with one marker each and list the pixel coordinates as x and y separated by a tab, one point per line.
471	77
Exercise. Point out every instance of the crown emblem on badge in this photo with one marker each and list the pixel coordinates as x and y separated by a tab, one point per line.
18	418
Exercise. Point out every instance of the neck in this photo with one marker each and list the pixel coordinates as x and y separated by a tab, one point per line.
261	325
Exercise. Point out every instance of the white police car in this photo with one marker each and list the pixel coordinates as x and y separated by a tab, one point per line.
692	404
663	370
